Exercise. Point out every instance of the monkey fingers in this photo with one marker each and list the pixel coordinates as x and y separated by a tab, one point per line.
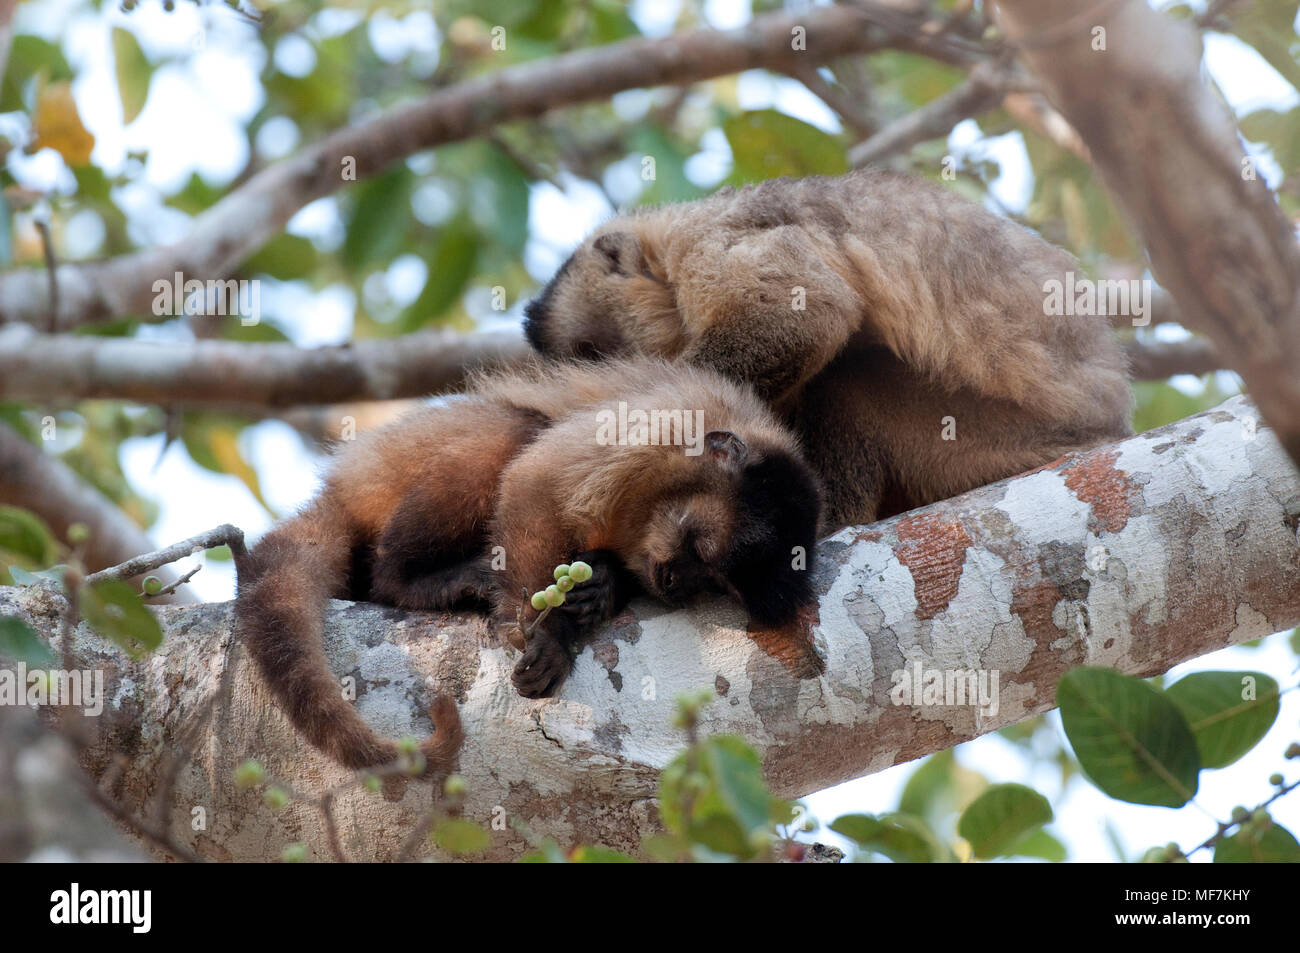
600	598
543	667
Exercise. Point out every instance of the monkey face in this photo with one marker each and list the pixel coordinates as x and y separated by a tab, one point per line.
681	545
605	301
751	534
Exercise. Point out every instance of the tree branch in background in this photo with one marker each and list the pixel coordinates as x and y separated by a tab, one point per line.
45	368
855	114
41	483
245	219
1134	555
1167	147
1156	360
985	89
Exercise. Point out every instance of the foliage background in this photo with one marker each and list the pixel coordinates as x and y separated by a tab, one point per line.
119	126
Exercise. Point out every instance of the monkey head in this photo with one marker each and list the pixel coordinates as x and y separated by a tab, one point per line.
607	300
749	531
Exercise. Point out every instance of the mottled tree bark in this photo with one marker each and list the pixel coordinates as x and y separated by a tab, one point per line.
1137	555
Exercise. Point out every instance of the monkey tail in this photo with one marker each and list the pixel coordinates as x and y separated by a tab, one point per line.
285	582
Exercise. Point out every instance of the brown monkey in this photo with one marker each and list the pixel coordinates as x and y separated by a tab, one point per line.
900	329
530	466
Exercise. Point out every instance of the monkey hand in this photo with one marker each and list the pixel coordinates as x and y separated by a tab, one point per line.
545	663
596	601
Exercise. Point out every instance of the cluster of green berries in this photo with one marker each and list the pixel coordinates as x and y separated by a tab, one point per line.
566	577
1253	823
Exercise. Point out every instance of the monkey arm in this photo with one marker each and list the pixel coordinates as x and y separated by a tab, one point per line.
769	311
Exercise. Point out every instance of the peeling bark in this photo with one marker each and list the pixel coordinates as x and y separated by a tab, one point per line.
1137	555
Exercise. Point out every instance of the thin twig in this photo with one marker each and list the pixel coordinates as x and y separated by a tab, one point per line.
168	590
223	535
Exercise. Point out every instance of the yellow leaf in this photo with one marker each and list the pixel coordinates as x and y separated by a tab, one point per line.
225	448
58	125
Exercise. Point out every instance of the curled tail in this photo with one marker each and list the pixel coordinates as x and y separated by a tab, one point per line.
285	582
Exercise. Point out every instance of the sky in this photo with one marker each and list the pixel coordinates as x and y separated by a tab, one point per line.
213	92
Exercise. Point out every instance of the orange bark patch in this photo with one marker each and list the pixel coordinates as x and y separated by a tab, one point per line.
934	550
1095	480
792	645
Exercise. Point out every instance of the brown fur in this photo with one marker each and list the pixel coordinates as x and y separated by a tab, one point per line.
410	514
919	306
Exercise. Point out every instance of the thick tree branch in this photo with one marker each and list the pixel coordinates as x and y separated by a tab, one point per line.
1167	147
247	218
264	377
58	368
1138	555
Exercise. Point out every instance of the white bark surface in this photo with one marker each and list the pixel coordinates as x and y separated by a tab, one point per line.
1138	555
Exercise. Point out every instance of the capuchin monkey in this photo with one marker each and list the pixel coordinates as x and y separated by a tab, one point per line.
898	328
542	466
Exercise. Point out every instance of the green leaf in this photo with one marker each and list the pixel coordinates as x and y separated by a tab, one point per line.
450	263
25	535
381	218
1131	741
767	144
117	612
1269	28
737	775
730	806
285	257
459	836
670	183
54	574
197	196
30	57
1159	403
1277	845
498	199
1225	723
19	641
940	788
1039	844
900	837
133	73
1001	816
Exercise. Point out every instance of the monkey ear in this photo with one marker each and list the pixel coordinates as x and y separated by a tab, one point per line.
726	449
619	253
